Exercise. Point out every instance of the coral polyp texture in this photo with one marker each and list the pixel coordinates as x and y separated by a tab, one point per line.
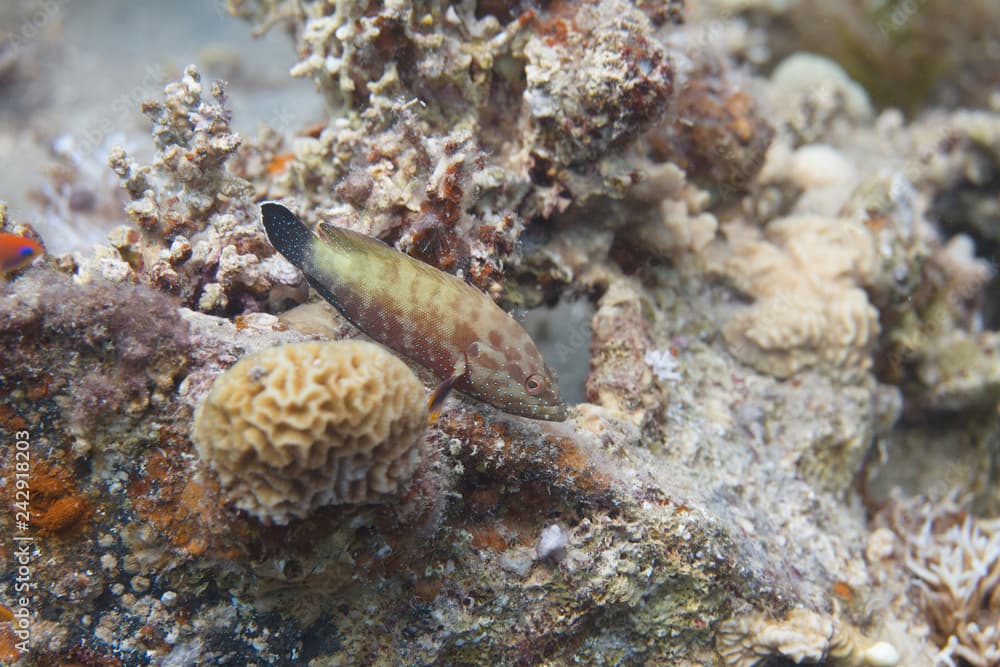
804	637
304	425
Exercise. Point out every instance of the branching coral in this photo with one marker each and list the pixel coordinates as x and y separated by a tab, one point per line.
201	239
188	182
955	559
304	425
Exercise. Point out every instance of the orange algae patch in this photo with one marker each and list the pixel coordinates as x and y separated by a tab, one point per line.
8	641
56	506
279	163
40	389
488	537
10	420
188	512
843	590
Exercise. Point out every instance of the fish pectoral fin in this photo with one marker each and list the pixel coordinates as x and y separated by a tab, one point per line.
437	398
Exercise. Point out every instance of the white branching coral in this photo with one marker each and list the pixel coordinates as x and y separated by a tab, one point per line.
810	311
956	561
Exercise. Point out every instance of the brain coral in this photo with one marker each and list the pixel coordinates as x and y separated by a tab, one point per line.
300	426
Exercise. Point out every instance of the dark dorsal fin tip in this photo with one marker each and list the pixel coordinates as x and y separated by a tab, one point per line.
286	232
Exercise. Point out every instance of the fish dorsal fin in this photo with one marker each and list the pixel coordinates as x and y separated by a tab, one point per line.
356	244
348	240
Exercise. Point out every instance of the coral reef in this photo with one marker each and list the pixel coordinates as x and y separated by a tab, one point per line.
450	157
809	309
792	314
200	238
305	425
577	112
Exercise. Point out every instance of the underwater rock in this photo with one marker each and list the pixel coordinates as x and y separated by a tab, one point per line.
620	81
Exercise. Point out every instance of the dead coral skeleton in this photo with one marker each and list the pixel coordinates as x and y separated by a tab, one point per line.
955	558
188	181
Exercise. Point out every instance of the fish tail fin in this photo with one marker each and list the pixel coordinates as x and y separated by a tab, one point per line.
286	232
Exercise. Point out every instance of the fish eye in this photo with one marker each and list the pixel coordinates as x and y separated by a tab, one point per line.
27	251
534	384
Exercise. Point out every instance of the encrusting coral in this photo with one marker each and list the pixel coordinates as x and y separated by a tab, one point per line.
304	425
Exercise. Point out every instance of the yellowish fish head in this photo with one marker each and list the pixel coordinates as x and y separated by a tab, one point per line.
528	387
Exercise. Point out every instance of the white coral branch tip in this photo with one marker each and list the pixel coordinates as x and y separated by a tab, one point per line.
881	654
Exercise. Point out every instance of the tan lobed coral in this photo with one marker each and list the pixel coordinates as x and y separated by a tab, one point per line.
304	425
805	275
805	637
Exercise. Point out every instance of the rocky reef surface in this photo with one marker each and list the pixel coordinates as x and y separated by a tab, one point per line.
785	446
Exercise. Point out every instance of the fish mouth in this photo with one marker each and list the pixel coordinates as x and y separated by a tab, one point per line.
552	413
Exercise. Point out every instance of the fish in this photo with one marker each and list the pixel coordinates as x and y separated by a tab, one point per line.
434	318
16	252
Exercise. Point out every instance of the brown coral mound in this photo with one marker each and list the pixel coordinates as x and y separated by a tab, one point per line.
300	426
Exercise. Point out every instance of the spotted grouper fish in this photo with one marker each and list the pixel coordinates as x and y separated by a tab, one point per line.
432	317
